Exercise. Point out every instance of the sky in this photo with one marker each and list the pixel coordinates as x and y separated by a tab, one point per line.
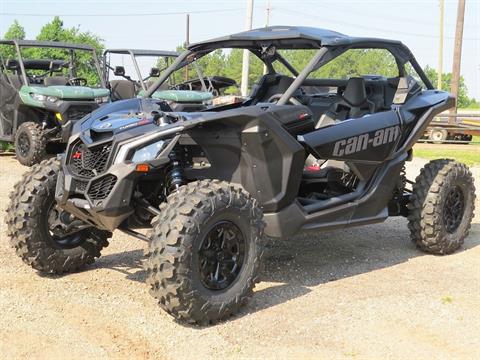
161	24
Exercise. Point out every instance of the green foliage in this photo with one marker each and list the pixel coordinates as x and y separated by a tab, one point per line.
55	31
14	32
463	100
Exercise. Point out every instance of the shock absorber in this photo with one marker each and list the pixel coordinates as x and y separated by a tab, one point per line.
174	176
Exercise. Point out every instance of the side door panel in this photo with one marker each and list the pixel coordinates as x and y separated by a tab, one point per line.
368	139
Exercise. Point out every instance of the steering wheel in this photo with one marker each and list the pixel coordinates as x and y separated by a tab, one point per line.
292	100
77	81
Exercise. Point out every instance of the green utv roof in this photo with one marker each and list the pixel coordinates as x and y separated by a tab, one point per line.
181	96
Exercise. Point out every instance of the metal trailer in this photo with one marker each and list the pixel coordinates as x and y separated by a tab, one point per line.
461	130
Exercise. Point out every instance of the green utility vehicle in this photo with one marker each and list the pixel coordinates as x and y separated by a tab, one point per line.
125	73
45	87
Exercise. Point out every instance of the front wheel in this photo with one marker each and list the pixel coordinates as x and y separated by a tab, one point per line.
205	251
45	237
441	206
30	144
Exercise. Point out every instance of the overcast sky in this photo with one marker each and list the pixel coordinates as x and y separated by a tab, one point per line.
124	24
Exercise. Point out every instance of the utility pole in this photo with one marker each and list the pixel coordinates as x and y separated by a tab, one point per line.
267	23
440	47
246	53
187	42
457	54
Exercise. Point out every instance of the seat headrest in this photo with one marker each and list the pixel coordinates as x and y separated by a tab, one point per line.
355	92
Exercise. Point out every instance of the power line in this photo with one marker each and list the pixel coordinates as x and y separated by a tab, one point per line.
395	19
130	14
339	22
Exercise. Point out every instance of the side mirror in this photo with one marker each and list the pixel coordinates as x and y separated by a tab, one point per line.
119	71
12	64
55	66
154	72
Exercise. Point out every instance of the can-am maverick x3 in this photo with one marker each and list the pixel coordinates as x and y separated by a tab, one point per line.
211	184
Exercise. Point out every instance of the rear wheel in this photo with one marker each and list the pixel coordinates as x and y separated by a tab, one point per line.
30	143
205	251
44	236
441	206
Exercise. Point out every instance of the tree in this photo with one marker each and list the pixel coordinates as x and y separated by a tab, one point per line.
463	100
14	32
55	31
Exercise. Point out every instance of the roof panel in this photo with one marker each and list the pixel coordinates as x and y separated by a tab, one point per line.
143	52
287	37
53	44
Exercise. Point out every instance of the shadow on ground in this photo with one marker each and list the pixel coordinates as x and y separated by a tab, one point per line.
311	259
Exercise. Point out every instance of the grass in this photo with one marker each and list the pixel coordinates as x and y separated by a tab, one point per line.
5	146
470	157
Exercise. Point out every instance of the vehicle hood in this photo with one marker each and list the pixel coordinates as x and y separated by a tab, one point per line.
131	114
67	92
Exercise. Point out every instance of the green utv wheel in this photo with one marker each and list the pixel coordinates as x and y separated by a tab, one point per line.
205	251
45	237
441	206
30	144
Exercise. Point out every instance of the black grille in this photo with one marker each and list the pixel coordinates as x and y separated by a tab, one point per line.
77	112
89	162
80	185
100	188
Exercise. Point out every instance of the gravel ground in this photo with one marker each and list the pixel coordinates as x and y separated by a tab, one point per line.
358	293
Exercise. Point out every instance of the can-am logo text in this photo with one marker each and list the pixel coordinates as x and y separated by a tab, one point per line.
361	142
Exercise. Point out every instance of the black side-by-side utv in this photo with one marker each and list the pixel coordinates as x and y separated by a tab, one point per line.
303	152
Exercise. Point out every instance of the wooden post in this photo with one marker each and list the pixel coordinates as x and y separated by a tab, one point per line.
457	55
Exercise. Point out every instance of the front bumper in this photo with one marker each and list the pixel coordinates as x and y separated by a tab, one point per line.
107	213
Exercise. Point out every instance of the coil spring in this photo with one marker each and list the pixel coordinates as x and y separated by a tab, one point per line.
174	176
403	179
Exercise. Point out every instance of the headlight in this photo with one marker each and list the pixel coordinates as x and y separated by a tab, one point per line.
38	97
102	99
149	152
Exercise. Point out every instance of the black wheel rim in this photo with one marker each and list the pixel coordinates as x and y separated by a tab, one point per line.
453	209
23	145
221	255
63	230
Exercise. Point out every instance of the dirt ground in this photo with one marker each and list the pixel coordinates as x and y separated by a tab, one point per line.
358	293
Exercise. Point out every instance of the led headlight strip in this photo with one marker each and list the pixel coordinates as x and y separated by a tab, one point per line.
125	149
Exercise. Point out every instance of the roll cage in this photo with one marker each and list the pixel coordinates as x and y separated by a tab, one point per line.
265	43
19	44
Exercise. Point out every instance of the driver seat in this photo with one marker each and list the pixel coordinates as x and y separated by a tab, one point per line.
353	104
269	85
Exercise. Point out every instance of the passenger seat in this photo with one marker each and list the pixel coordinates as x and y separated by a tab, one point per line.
353	104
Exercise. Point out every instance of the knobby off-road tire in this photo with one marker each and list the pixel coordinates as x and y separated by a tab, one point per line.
30	144
28	230
441	206
190	221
